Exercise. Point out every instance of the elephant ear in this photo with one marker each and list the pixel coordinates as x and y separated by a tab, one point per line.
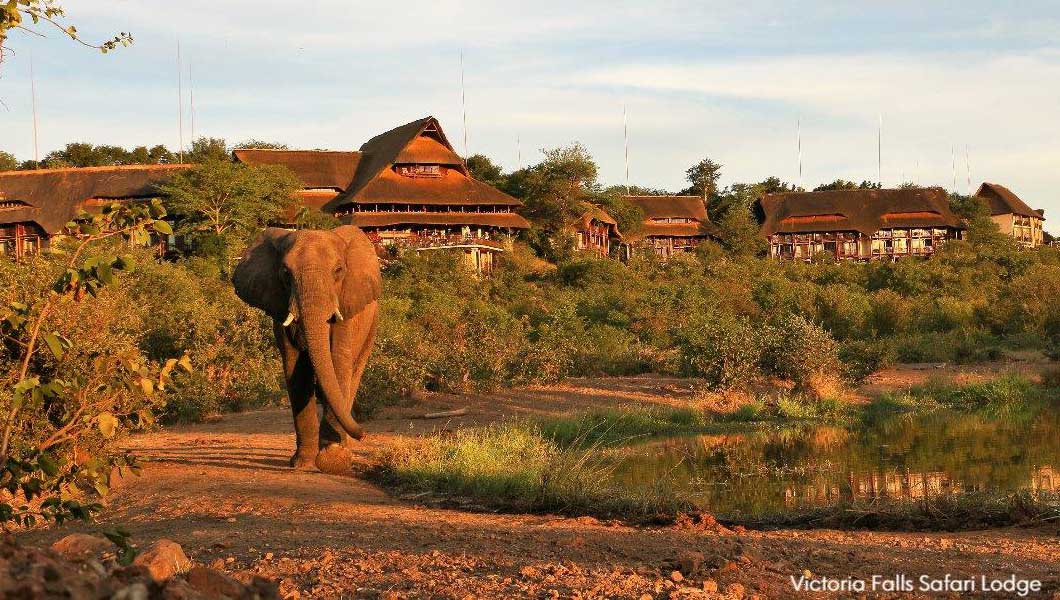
257	276
363	283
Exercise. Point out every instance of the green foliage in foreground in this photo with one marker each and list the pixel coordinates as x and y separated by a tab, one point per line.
64	399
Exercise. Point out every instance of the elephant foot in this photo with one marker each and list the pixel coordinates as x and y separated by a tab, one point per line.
303	462
335	459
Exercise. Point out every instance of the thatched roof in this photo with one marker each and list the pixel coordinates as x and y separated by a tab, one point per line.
316	168
865	211
424	150
55	196
1003	201
661	207
421	140
389	219
672	207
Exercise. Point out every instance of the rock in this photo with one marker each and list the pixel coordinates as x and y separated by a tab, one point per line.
677	576
735	590
133	591
81	546
710	586
213	583
163	559
690	562
645	597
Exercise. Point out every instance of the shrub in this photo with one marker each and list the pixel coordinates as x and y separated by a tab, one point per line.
804	353
863	358
721	349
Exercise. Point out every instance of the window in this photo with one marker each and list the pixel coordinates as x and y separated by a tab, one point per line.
420	170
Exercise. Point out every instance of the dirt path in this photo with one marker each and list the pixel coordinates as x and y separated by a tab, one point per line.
224	492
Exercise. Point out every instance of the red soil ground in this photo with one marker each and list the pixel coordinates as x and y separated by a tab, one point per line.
224	492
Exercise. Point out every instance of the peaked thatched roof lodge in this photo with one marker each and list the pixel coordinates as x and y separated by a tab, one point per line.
1013	215
596	230
672	224
35	205
857	224
406	188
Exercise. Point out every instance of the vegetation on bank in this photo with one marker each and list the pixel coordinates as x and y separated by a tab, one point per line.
568	464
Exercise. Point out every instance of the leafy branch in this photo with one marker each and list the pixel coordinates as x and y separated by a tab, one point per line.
25	14
71	406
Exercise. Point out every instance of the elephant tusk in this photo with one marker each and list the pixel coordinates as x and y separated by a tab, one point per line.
289	320
338	314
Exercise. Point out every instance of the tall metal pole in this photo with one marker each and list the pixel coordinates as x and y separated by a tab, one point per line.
879	153
33	94
625	143
798	148
519	151
968	168
953	166
180	104
191	92
463	101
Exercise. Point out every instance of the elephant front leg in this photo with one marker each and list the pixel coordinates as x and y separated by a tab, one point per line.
298	376
352	342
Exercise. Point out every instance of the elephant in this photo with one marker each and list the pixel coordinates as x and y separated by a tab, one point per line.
322	290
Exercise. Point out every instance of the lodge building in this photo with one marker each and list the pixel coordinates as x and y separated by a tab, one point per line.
857	224
36	205
672	224
1012	215
407	189
596	232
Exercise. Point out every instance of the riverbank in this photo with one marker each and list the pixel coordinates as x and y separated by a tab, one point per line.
223	491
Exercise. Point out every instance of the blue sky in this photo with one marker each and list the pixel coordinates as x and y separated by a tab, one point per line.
725	80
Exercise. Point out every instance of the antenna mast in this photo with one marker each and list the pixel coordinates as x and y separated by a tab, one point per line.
625	142
180	104
798	147
968	168
953	166
519	152
879	153
463	100
33	94
191	90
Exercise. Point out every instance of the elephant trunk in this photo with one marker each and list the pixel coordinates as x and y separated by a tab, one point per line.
316	310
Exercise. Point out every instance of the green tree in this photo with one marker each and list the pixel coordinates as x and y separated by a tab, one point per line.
259	144
207	149
8	162
485	170
556	189
842	184
223	198
31	15
703	177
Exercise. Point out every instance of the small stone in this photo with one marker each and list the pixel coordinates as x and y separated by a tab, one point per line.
213	583
218	564
268	555
689	562
231	519
735	590
80	545
646	597
163	559
677	576
710	585
135	591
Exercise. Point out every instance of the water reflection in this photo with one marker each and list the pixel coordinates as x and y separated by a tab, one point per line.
898	457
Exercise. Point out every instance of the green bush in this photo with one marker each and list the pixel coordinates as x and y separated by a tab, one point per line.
863	358
802	352
721	349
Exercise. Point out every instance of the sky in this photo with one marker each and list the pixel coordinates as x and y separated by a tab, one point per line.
966	91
